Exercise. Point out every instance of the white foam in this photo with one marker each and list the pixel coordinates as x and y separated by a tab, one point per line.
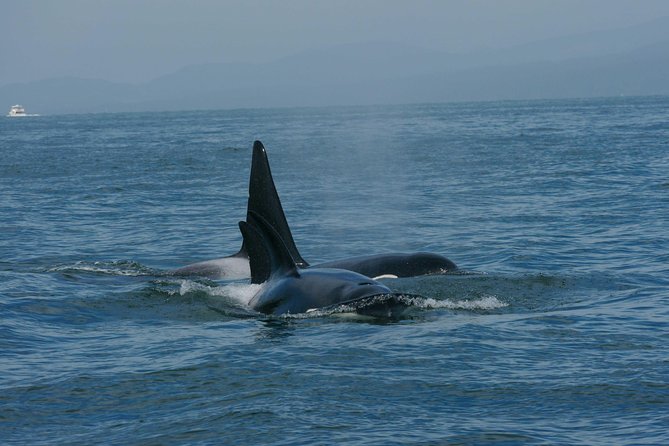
243	293
484	303
487	303
188	286
240	292
385	276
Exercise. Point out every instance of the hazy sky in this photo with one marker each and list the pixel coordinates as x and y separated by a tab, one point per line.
137	40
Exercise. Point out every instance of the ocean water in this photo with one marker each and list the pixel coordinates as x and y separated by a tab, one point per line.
556	331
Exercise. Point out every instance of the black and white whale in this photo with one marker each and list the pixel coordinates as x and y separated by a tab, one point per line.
394	265
264	201
286	288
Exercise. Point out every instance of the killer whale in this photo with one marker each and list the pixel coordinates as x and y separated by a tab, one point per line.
263	200
286	288
394	264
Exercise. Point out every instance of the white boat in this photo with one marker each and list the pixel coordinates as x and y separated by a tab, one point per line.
18	111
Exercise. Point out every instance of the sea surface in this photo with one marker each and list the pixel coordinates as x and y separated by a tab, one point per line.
555	330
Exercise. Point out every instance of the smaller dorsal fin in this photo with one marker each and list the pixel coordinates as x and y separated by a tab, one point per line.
259	259
268	254
242	252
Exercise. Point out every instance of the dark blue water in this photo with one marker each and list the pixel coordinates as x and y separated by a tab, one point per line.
557	210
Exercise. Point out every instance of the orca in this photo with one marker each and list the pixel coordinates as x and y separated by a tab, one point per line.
394	265
286	288
264	201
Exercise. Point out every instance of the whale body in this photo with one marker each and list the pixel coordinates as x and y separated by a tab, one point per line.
394	264
288	289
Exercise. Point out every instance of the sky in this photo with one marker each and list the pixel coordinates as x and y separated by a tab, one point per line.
138	40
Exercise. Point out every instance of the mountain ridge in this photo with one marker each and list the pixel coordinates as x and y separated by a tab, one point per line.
630	61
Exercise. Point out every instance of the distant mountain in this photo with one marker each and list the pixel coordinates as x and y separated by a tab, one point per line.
643	71
591	44
630	61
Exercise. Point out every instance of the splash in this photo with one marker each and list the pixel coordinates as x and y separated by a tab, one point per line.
395	305
400	305
483	303
239	292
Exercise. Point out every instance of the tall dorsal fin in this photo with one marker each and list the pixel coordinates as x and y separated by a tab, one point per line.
268	254
264	201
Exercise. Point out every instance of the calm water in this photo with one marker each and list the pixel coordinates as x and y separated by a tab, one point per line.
557	210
